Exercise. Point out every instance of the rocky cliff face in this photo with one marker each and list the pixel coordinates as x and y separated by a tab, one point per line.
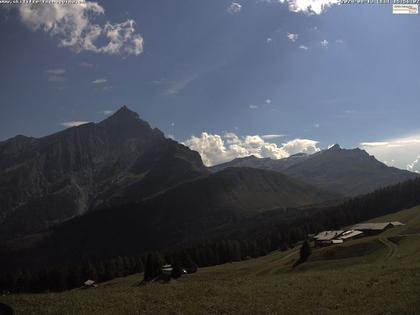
48	180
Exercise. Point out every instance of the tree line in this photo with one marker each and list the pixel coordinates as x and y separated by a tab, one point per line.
266	233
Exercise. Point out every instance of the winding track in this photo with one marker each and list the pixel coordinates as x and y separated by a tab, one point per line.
392	247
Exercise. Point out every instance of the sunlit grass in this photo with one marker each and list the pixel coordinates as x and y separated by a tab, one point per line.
358	277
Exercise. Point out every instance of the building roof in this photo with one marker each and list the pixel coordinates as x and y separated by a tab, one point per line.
89	282
396	223
371	226
349	234
327	235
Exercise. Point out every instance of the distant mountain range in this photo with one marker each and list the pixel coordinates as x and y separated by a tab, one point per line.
120	187
123	161
344	172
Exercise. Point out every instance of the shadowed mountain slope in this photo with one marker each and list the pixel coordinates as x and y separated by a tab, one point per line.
185	214
345	172
48	180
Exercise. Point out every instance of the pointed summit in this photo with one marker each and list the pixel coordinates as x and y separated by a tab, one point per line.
124	113
125	123
335	147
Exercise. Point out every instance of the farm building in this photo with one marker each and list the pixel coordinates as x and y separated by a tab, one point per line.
375	228
396	223
351	234
167	270
327	237
90	284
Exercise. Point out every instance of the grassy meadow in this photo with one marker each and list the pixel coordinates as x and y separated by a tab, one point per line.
372	275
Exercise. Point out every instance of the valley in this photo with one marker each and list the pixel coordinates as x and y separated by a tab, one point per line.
354	277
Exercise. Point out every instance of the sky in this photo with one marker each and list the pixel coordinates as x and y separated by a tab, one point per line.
227	78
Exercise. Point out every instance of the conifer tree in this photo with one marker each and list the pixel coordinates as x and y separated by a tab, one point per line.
305	251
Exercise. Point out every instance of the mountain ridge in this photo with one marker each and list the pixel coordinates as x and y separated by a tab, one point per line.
45	181
348	172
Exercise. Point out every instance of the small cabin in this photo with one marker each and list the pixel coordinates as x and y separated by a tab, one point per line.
90	284
167	270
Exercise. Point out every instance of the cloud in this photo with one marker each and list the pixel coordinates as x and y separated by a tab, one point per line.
269	40
174	87
74	27
56	75
292	37
268	101
100	81
253	107
68	124
374	144
108	112
86	64
324	43
303	47
56	71
234	8
339	41
309	6
216	149
399	152
301	146
271	137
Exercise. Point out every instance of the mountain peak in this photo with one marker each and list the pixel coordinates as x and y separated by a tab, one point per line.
124	112
335	147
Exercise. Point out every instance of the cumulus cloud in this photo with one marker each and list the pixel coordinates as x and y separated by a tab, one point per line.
292	37
324	43
75	28
301	146
100	81
309	6
403	153
234	8
306	6
216	149
253	106
68	124
303	47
